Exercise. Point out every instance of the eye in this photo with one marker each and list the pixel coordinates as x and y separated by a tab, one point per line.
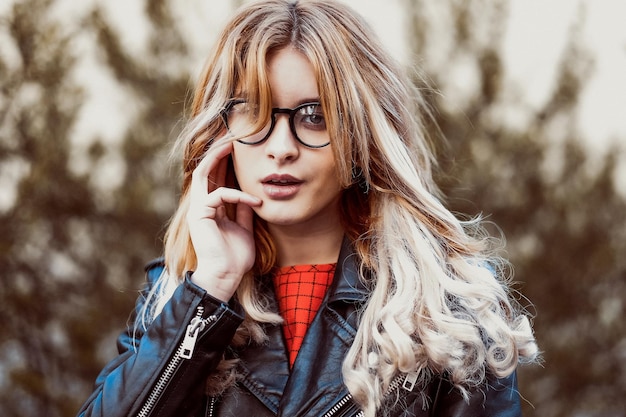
239	108
240	115
311	116
242	121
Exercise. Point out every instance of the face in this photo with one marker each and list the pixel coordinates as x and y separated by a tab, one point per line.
298	185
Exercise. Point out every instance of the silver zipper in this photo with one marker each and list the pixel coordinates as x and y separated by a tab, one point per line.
345	400
193	330
211	407
184	351
406	381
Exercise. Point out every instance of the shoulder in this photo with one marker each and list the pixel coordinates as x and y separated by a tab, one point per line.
495	397
154	269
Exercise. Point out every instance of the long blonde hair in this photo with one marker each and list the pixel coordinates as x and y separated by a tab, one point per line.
439	299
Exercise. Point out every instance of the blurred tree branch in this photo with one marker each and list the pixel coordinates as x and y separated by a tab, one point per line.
72	255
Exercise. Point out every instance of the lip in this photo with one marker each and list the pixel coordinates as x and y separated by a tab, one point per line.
281	186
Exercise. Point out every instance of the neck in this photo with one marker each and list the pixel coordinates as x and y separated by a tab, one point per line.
299	247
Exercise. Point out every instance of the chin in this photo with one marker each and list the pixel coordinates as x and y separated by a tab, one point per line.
280	220
282	217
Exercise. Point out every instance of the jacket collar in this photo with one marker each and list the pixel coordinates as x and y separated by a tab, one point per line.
347	285
268	383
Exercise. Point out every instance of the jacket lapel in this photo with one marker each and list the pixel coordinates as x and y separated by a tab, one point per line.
314	384
265	368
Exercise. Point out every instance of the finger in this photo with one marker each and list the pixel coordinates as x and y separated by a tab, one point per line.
203	213
212	206
221	212
225	195
214	156
217	177
245	217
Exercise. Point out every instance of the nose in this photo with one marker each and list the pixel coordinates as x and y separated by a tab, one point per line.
281	143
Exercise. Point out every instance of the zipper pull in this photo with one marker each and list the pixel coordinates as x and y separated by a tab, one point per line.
410	380
191	336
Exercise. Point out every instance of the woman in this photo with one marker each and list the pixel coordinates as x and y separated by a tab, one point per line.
309	269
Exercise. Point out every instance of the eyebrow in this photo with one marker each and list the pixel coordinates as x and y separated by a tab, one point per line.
308	100
239	96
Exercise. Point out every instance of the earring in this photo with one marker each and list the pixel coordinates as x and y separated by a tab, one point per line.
360	180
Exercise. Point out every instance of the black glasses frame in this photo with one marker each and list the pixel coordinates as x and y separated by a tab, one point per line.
276	110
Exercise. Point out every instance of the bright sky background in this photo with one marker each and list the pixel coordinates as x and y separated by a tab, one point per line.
531	56
536	35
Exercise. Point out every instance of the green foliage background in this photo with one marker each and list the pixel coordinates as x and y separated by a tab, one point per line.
72	250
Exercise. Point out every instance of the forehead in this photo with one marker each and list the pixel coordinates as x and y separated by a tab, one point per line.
292	79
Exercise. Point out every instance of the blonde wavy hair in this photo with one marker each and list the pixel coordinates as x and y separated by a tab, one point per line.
439	298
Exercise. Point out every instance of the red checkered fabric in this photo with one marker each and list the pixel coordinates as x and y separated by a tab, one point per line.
300	290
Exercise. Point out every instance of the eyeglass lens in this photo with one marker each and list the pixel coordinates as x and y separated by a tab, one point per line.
306	121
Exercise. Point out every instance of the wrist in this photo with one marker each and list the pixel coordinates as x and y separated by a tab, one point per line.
221	288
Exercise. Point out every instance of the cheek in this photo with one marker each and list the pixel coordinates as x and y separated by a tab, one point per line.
238	157
331	173
241	160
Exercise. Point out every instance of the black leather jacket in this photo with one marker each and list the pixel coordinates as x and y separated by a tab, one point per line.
162	372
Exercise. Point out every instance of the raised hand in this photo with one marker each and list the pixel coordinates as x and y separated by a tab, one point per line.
224	247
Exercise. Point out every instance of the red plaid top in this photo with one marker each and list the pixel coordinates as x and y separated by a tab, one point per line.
300	290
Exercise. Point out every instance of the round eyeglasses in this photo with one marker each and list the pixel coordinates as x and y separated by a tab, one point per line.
307	123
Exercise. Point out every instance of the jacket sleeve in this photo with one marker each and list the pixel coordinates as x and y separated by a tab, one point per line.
126	383
499	397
